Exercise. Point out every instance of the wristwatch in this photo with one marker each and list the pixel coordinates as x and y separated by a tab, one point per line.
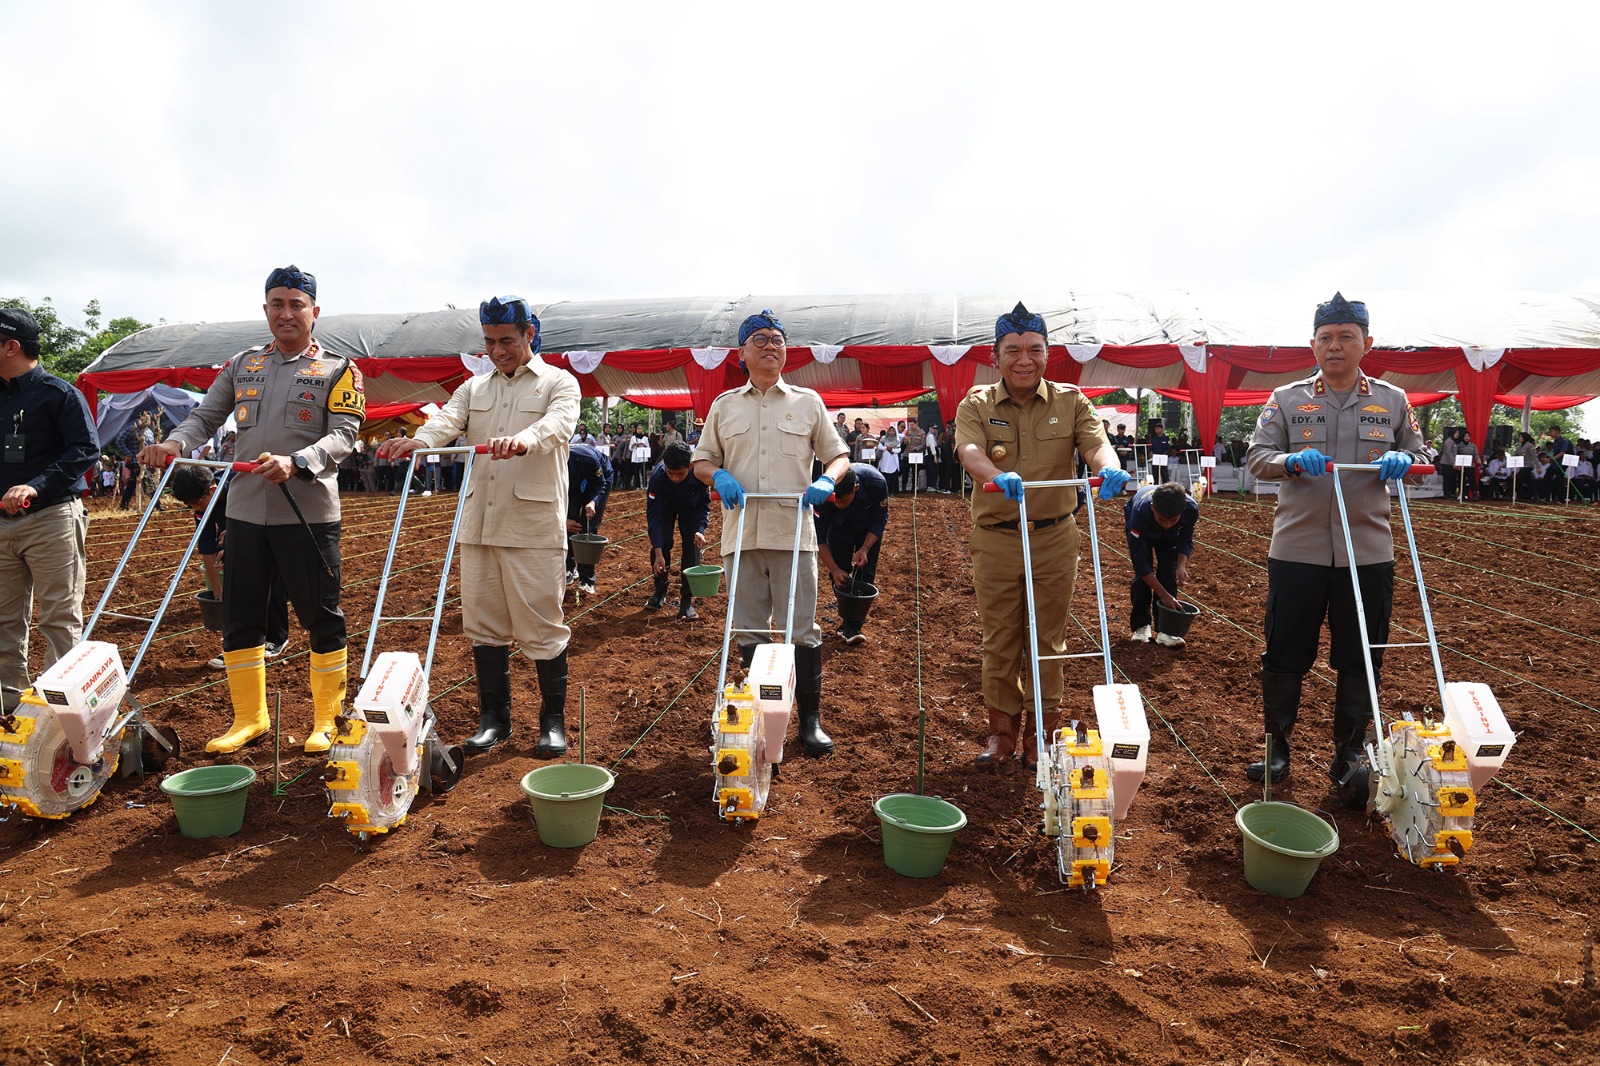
302	466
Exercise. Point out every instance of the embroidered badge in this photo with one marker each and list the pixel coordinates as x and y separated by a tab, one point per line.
316	368
255	364
1307	433
1365	388
308	397
304	415
1374	455
1411	416
1376	432
238	394
1268	413
1375	409
1321	387
242	415
252	392
346	397
1310	407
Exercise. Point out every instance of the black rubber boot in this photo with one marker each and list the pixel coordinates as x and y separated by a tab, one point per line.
1352	714
659	596
1280	703
493	664
552	706
686	609
808	697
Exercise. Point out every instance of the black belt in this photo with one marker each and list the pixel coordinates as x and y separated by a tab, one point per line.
1038	523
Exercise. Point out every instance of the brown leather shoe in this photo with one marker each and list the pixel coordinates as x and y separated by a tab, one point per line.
1002	740
1030	740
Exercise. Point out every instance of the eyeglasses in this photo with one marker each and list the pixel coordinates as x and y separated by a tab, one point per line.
768	340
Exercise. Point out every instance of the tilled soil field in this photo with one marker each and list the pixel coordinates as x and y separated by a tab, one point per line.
677	938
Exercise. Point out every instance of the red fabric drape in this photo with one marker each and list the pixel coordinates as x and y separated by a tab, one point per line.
1475	389
1142	356
1553	362
952	383
1207	392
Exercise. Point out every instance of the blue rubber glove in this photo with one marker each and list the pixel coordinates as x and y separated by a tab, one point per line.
1310	461
728	488
1010	484
1112	479
1393	465
818	493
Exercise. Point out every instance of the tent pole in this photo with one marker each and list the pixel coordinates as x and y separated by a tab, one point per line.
1527	413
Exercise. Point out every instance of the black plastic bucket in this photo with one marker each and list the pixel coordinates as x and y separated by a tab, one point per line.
1175	623
210	610
855	600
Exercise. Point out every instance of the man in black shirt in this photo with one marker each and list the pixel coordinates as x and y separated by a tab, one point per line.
49	444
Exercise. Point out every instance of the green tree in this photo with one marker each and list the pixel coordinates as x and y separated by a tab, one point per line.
65	350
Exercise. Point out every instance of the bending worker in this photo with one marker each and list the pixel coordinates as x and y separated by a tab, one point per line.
299	408
763	436
1024	428
1159	521
514	530
675	503
850	532
1338	415
589	480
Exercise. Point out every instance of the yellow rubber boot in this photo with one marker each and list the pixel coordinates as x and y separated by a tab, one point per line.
328	675
247	683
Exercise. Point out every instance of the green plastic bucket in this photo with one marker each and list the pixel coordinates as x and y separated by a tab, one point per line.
917	831
703	580
1283	846
588	547
567	799
209	800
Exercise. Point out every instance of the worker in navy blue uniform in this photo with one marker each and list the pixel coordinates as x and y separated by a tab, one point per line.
589	478
1159	521
850	532
675	502
193	486
50	443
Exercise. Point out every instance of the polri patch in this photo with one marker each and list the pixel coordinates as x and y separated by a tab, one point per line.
1268	413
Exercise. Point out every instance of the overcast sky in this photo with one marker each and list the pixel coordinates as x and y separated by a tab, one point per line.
164	156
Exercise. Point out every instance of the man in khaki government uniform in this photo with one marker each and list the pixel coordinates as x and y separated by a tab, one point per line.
762	437
1024	428
514	531
299	409
1338	415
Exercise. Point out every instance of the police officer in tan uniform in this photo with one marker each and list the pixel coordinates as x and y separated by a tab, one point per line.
1338	415
514	531
299	408
1024	428
762	438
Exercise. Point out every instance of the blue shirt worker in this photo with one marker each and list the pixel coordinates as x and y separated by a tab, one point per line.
49	444
675	503
850	531
1338	415
193	486
299	408
762	437
1159	522
589	479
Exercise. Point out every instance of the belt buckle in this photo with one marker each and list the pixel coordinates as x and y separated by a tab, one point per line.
1032	525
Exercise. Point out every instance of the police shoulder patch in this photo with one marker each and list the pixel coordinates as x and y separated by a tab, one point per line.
348	397
1268	413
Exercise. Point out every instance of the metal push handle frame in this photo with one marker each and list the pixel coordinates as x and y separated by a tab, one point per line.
733	579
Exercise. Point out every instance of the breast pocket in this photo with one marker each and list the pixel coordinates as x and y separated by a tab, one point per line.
1377	433
531	408
794	440
1000	445
301	413
1308	435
